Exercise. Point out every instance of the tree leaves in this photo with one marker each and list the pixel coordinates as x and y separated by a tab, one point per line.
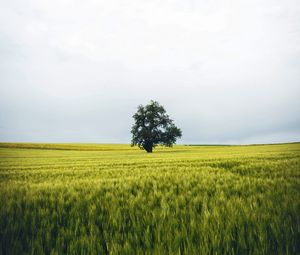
152	127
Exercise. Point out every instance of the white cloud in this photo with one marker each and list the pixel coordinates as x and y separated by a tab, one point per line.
228	71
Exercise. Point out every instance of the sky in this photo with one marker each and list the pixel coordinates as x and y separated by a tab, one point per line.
227	72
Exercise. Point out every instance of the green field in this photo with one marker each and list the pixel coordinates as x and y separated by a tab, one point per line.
114	199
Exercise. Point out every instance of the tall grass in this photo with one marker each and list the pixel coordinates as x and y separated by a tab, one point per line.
113	199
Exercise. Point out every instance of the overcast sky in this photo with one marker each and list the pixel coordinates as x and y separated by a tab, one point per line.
75	71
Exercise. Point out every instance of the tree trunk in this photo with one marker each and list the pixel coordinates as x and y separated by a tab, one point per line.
148	147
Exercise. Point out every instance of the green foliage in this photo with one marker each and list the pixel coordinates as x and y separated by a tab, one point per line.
115	199
152	127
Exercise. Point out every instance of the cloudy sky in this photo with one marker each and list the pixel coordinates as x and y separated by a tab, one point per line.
75	71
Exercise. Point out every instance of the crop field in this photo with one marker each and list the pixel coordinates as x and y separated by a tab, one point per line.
114	199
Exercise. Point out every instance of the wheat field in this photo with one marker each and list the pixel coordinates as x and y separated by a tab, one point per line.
115	199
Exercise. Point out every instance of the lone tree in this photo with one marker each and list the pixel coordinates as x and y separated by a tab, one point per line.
152	127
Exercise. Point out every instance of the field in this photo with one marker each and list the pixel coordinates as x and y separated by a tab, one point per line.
114	199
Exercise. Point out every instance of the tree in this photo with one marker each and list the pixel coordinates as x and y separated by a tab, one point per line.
152	127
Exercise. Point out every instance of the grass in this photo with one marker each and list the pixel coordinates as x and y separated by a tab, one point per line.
114	199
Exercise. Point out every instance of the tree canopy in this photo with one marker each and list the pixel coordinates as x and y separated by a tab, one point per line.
152	126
